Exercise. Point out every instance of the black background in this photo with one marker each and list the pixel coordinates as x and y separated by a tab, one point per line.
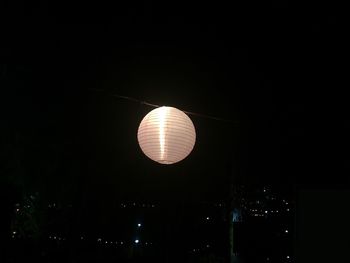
274	68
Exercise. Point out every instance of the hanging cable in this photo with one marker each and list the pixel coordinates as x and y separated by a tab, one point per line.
156	106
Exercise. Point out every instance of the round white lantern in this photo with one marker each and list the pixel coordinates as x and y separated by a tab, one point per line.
166	135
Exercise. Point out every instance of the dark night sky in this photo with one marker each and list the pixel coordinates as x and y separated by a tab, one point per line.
274	71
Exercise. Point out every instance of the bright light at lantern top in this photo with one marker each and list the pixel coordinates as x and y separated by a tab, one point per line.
166	135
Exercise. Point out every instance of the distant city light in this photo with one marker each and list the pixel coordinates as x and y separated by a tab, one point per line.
250	206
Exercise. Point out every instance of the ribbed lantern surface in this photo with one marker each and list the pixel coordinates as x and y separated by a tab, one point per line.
166	135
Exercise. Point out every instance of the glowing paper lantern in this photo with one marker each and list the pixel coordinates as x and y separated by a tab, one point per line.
166	135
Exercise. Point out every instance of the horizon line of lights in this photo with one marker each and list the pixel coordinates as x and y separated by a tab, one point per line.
150	205
104	241
137	242
122	205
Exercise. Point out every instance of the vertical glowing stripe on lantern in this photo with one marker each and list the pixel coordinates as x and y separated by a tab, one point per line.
166	135
162	116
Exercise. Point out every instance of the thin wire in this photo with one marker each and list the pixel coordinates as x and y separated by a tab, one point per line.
207	116
157	106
